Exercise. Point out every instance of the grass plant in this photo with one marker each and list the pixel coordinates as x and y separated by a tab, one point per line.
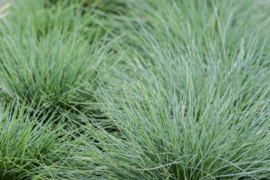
135	89
164	135
54	67
30	141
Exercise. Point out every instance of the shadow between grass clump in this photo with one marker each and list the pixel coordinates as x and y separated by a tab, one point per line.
44	16
83	16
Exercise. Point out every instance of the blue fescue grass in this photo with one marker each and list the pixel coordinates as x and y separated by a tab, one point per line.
55	66
165	89
166	135
196	98
29	141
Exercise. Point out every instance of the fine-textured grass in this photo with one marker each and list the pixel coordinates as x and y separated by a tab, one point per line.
55	67
213	46
29	141
164	135
135	89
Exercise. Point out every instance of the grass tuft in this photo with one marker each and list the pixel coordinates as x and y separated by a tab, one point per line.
29	141
135	89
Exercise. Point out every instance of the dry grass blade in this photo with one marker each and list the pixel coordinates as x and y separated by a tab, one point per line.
2	9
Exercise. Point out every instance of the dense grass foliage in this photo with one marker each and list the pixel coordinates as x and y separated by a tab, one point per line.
211	44
135	89
164	135
30	141
55	65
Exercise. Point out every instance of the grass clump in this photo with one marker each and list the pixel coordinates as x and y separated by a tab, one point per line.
164	135
53	68
174	89
29	141
202	38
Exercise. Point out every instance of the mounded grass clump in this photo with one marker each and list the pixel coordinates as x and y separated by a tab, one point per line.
202	99
158	89
164	135
201	38
54	69
55	66
29	141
